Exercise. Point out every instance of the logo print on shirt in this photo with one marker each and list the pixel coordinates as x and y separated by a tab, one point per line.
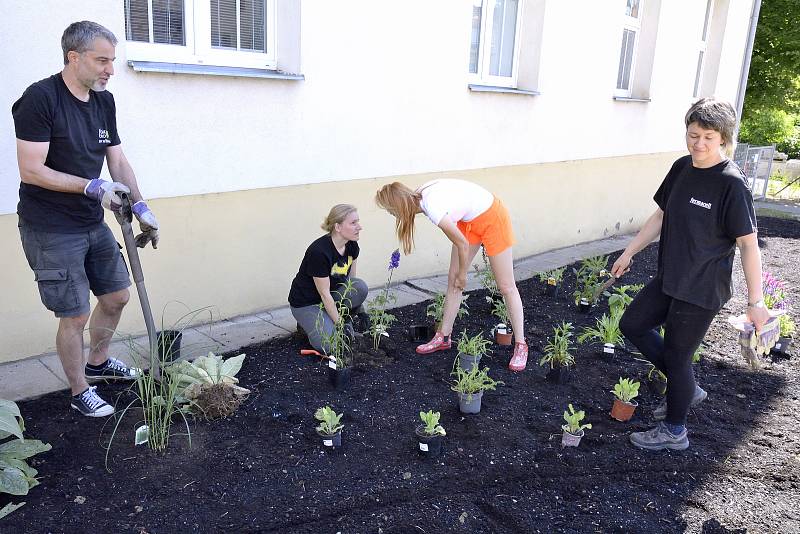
706	205
103	137
342	269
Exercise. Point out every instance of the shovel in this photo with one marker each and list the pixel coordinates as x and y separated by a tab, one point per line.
610	282
125	218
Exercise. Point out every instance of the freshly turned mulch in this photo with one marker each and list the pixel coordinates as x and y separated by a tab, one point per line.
503	470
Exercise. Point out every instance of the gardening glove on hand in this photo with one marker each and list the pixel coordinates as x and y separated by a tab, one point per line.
106	193
148	224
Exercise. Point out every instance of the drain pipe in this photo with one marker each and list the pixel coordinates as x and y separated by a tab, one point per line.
748	53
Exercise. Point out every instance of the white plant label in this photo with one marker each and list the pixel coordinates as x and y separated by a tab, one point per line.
327	442
142	434
332	364
423	447
551	281
777	346
584	302
608	350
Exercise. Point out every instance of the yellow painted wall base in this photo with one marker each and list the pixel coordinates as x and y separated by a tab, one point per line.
238	252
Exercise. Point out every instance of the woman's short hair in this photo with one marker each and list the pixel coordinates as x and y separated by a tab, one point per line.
79	37
713	114
337	215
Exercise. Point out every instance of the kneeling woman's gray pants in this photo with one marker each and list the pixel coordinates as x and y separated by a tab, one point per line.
307	316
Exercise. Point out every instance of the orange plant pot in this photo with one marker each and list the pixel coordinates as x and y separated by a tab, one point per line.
623	411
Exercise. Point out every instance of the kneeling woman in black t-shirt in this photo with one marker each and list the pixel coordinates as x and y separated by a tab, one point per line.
328	263
705	210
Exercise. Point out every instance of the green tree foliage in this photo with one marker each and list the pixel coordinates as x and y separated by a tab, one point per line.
772	103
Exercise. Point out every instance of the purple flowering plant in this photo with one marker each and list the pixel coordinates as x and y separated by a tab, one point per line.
379	318
774	292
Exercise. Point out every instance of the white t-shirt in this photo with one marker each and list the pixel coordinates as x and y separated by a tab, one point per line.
458	199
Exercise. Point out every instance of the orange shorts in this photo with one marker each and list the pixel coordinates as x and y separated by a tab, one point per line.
492	228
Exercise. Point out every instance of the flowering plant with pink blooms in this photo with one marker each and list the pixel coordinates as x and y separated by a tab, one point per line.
774	292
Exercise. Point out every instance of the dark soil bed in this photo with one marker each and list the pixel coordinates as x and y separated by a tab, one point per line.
503	470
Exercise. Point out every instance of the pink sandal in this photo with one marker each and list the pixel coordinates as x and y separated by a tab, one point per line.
435	344
520	358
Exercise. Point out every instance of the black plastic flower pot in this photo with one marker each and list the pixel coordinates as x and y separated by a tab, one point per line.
421	333
331	441
558	375
168	343
427	445
608	352
338	378
781	347
552	287
584	306
657	386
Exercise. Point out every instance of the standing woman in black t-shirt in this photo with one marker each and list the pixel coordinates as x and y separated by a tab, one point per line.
328	262
705	210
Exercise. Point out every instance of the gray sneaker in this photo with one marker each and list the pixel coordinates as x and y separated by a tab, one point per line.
659	438
660	413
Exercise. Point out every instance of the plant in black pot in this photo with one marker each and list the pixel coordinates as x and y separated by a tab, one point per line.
430	434
573	430
625	391
435	310
379	318
656	380
471	350
470	386
787	329
588	281
606	331
502	331
557	354
330	427
337	344
552	279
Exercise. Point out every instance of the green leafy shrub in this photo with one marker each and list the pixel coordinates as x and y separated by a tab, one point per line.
436	309
557	350
16	476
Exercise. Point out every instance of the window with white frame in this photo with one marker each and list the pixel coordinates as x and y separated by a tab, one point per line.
494	46
236	33
701	57
630	40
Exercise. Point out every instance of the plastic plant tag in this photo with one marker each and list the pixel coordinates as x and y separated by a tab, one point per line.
332	364
501	329
608	348
385	333
142	434
423	447
551	281
327	442
585	302
778	346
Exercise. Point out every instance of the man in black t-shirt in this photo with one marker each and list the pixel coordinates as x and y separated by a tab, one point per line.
66	128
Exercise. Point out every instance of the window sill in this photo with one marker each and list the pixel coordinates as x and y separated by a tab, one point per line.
211	70
495	89
630	99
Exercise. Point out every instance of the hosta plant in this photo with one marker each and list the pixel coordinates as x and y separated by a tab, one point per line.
430	420
16	476
329	421
626	389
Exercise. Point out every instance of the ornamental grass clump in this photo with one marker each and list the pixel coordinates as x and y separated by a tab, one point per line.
379	318
605	330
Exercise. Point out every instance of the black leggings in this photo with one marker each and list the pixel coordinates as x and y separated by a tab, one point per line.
685	325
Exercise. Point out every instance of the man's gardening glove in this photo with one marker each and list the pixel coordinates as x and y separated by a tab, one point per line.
148	224
106	193
755	344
